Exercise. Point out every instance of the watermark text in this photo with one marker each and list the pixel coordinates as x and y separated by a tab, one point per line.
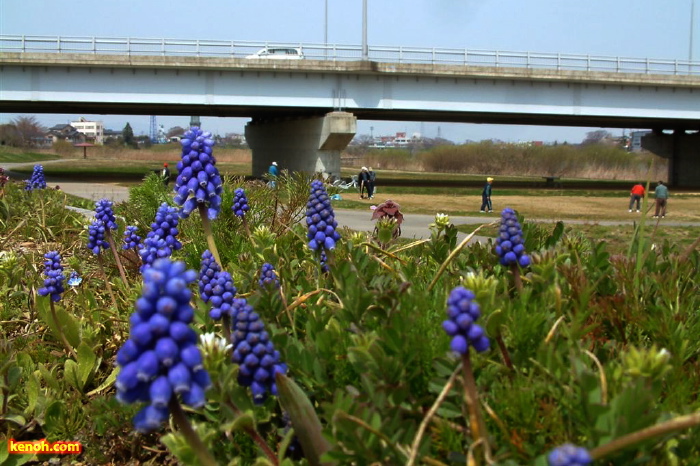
43	447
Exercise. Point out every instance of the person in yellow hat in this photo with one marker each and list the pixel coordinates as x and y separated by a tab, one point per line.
486	196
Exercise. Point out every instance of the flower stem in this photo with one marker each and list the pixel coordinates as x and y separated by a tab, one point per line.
112	246
206	224
106	279
226	327
62	335
516	277
504	351
679	423
190	435
471	397
246	227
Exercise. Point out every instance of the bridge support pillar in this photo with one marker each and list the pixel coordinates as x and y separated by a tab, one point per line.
306	144
682	150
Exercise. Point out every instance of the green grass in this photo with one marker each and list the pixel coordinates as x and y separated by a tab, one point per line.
617	237
28	157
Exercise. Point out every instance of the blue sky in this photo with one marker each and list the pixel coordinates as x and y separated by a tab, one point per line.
629	28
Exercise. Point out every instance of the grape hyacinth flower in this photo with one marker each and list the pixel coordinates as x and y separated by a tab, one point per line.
255	354
221	293
53	270
463	312
320	219
198	181
105	214
509	244
240	203
131	239
207	271
37	180
161	359
569	455
96	237
268	276
161	241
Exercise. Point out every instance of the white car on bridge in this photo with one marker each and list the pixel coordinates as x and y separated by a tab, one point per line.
278	53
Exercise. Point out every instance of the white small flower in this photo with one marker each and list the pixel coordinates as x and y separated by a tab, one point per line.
212	343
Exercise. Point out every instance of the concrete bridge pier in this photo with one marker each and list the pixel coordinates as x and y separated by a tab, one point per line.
683	151
309	145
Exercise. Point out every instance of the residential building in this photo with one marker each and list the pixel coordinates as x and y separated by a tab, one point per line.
64	132
636	140
93	130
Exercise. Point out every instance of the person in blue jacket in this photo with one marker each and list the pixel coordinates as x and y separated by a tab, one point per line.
486	196
274	172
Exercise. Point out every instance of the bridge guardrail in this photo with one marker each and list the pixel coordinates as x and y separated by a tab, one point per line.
335	52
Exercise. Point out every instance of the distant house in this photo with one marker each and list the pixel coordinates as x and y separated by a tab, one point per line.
110	134
64	132
93	130
636	140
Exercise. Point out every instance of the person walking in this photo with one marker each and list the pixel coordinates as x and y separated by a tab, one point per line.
370	183
274	172
486	196
363	179
636	195
165	174
661	194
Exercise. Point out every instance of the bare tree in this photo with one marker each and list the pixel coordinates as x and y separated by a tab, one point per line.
596	137
29	130
175	131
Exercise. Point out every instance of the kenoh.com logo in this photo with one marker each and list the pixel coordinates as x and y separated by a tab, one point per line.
42	447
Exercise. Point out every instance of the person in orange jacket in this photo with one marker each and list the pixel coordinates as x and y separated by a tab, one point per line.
636	195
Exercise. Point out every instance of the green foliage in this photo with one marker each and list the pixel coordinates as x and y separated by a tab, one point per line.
600	345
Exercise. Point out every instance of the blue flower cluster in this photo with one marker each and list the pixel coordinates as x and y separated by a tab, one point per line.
161	241
569	455
53	270
37	180
208	268
463	312
74	279
96	237
221	293
509	244
161	358
320	219
131	239
198	181
268	276
104	213
240	203
254	352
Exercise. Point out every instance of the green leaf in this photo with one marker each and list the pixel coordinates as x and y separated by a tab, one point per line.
242	422
304	419
87	364
494	323
15	459
70	371
16	418
107	383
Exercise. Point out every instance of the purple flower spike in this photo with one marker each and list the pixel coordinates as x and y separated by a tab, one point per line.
569	455
254	352
240	203
198	181
320	219
159	360
37	180
96	237
509	243
131	239
161	241
104	214
462	312
268	277
221	293
207	271
53	271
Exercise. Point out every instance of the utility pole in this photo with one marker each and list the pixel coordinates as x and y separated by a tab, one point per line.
365	49
692	26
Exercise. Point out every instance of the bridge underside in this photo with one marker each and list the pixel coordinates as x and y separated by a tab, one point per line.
281	112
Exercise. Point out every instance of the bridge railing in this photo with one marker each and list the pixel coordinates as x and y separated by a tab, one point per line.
335	52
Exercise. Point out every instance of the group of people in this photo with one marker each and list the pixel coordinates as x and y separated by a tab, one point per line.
660	193
366	180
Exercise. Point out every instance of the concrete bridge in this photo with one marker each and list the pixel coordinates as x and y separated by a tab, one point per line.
304	112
